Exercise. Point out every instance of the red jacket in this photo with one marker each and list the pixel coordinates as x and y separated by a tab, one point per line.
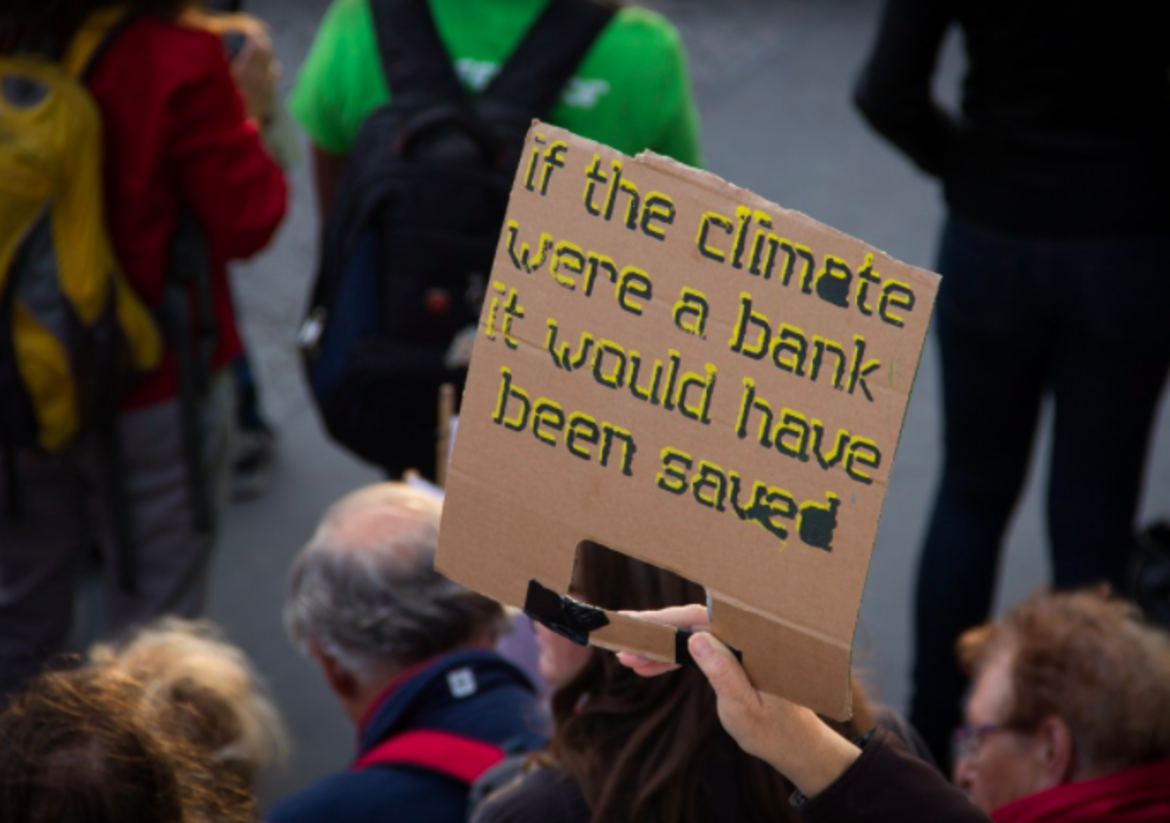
176	137
1138	795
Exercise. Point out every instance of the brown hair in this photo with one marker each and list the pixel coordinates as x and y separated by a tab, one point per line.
652	749
77	750
204	690
1091	660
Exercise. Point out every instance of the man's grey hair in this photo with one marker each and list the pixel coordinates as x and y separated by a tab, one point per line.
366	590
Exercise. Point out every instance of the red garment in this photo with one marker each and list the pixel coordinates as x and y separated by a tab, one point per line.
463	758
176	136
1138	795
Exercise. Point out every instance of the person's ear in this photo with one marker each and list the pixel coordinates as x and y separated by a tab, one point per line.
1056	751
343	684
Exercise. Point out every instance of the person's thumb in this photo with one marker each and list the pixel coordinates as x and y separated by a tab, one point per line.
726	675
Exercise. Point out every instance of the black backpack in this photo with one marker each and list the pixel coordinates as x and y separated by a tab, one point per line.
1149	573
412	232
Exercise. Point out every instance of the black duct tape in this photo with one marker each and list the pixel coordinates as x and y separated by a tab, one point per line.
563	615
682	652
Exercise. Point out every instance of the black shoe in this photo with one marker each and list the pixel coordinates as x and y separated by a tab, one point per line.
254	450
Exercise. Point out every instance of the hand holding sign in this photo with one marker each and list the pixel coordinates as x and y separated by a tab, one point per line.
791	739
681	371
692	617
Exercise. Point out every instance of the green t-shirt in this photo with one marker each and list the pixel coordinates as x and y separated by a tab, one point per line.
631	91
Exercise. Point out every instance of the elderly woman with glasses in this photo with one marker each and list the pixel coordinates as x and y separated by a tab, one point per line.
1069	715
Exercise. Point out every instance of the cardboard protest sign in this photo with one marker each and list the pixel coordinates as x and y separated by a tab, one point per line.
677	369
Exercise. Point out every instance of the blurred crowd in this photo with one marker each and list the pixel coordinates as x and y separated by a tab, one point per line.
144	148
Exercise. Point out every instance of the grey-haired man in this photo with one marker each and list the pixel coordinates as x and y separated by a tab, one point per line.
408	653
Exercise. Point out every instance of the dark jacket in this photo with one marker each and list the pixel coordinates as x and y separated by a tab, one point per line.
888	784
549	795
499	707
1065	121
543	795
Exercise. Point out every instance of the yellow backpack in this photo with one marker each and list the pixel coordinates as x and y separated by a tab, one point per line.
71	330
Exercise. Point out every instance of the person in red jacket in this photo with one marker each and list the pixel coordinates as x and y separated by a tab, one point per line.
178	137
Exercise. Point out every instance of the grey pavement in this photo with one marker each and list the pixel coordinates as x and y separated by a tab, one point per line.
773	81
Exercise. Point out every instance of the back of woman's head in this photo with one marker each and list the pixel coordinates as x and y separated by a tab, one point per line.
75	747
652	749
73	750
202	689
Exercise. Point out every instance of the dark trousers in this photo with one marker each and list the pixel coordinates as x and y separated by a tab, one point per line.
1085	322
66	513
248	412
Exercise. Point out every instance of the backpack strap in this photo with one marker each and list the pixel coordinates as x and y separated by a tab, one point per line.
414	58
453	755
189	280
188	317
544	61
16	412
91	41
88	46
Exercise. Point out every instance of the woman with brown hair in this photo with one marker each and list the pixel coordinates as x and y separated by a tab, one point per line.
632	749
77	749
202	689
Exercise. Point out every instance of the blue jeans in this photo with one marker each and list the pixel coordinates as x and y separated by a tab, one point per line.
1085	322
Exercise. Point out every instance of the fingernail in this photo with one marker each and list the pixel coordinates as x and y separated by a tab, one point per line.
700	646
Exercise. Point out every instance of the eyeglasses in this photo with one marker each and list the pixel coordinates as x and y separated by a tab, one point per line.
967	739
